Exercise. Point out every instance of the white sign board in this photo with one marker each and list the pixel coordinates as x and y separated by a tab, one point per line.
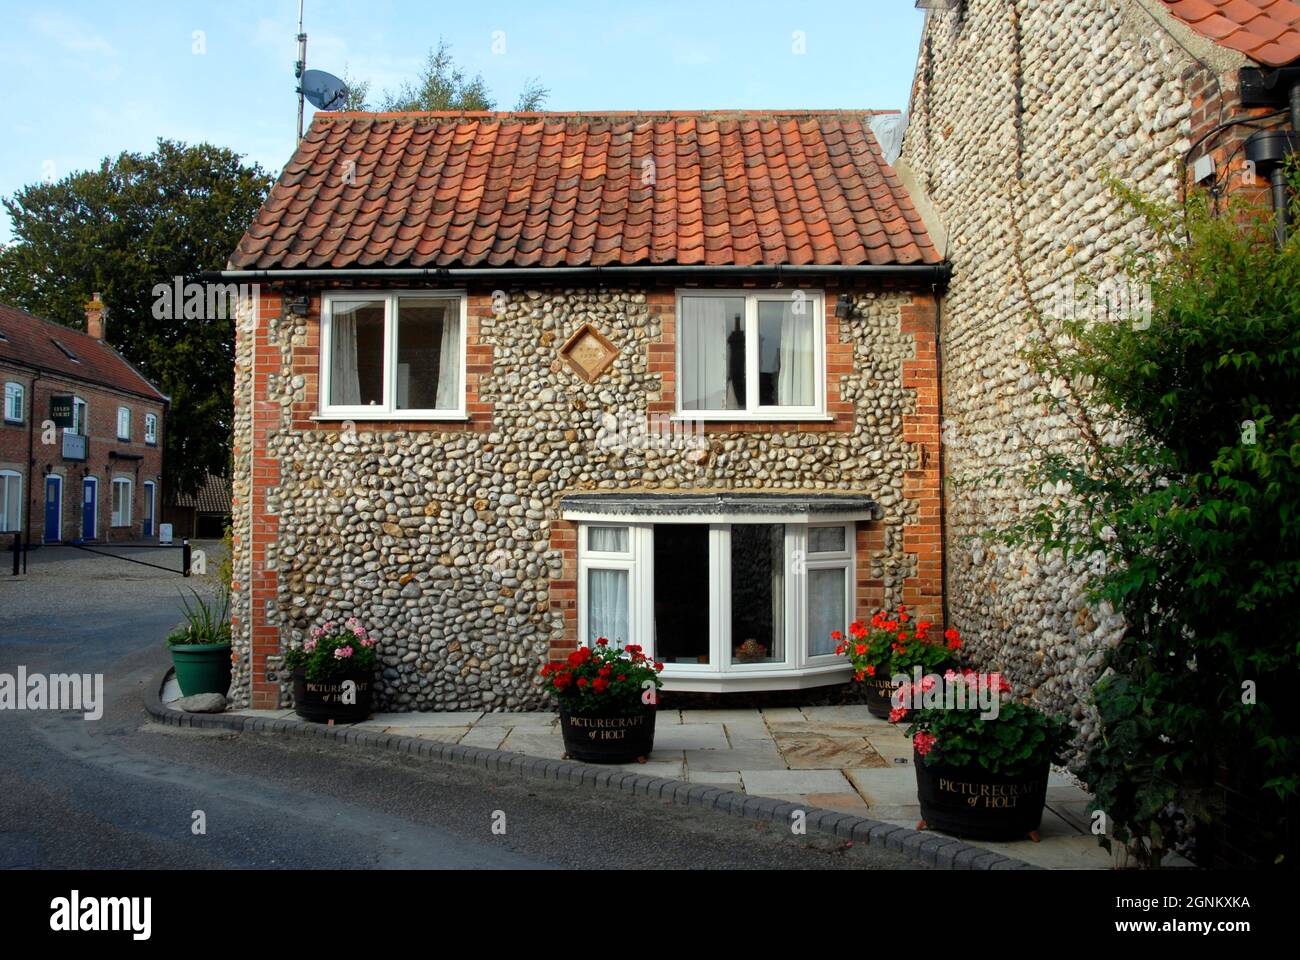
164	533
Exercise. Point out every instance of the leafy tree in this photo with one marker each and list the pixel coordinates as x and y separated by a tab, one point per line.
441	86
137	221
1188	515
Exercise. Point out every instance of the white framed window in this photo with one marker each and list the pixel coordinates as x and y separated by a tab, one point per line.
15	402
11	501
396	355
751	355
745	602
80	418
124	423
606	569
151	429
121	502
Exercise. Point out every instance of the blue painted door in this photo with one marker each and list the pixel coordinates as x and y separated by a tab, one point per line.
90	496
53	509
148	509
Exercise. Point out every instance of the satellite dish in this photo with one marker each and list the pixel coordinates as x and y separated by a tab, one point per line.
324	90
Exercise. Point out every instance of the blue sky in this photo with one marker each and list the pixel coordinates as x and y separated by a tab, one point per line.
90	79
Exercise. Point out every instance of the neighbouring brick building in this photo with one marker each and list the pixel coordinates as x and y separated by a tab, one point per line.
98	479
512	383
1018	108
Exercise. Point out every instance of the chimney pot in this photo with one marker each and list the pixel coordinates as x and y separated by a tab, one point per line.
95	317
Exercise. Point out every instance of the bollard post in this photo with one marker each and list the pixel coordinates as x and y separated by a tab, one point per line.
185	557
18	541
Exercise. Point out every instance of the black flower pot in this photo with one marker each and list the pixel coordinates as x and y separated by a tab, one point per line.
879	692
973	803
324	700
607	737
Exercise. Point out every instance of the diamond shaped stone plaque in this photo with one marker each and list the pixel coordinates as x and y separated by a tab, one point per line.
588	352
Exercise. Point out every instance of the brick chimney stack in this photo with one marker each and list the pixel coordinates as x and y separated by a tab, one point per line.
95	317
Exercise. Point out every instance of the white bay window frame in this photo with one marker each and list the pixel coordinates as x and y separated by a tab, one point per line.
798	668
456	300
814	301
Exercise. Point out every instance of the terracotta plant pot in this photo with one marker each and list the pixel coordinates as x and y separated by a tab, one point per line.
324	700
608	738
970	802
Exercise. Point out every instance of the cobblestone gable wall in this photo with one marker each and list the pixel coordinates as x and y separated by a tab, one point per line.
1103	87
446	539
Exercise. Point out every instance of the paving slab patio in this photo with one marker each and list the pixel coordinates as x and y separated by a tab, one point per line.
835	757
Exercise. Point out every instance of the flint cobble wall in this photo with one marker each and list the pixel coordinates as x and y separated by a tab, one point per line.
1019	111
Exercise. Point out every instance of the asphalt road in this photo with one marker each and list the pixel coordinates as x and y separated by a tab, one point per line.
123	792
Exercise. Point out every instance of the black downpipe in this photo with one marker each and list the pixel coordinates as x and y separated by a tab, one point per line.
943	485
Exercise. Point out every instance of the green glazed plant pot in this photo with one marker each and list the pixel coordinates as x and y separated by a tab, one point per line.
202	667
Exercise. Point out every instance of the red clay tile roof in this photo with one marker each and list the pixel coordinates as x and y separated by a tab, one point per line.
1267	31
31	341
563	189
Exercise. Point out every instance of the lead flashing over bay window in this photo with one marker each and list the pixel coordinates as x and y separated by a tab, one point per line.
705	507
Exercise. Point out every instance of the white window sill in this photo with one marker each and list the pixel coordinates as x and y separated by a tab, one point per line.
740	416
395	416
783	679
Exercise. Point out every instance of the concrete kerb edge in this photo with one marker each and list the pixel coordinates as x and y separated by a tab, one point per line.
913	844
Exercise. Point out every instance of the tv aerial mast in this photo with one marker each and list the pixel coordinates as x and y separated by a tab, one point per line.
323	90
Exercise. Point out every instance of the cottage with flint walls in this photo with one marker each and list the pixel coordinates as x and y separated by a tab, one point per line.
470	333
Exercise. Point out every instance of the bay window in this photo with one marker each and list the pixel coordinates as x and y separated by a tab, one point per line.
393	355
723	602
751	355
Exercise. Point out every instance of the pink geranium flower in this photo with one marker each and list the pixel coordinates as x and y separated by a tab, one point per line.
342	653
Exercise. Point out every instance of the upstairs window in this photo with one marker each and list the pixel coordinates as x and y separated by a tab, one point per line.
14	402
80	417
751	355
151	429
124	423
398	355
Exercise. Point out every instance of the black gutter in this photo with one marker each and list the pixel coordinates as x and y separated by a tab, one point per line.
933	273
